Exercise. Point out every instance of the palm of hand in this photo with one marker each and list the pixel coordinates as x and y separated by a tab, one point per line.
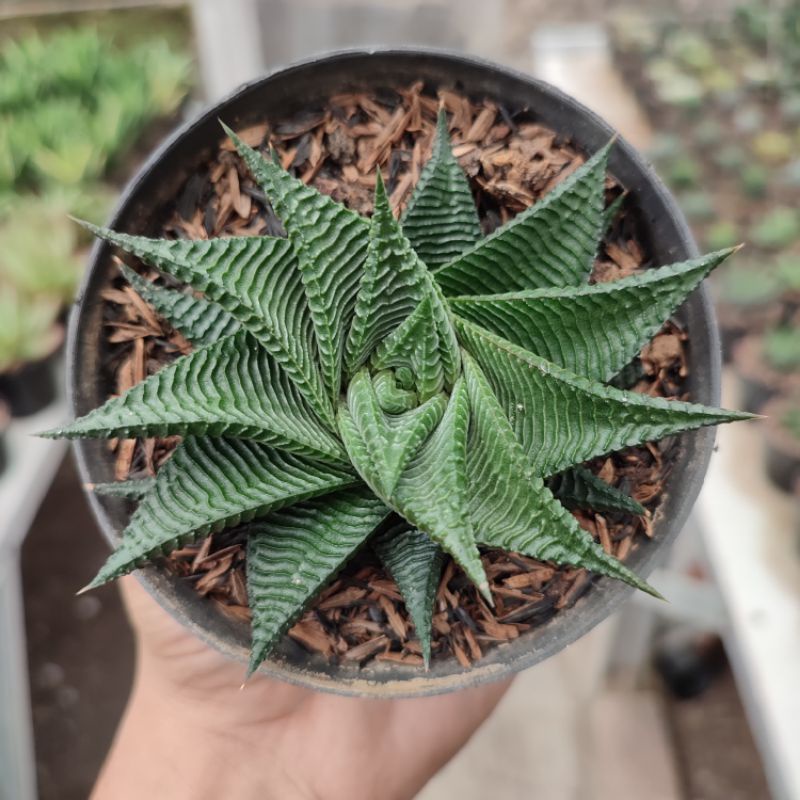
286	741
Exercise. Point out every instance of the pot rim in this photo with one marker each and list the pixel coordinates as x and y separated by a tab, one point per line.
606	595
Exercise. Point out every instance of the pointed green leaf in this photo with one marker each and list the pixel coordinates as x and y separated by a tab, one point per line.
233	388
579	488
330	243
562	419
553	243
292	554
431	492
392	283
441	220
426	344
134	489
256	280
415	563
211	484
393	399
388	441
510	506
591	330
200	321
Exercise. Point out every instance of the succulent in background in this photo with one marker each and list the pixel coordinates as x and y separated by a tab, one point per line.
730	157
750	285
697	206
720	235
406	385
38	249
692	50
773	147
776	229
683	172
755	180
781	348
29	329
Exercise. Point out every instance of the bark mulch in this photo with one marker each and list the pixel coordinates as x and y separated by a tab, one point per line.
511	162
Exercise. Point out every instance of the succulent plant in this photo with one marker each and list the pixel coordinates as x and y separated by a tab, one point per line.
37	265
691	49
729	157
683	172
781	348
776	229
697	205
29	330
408	384
750	285
720	235
755	180
773	147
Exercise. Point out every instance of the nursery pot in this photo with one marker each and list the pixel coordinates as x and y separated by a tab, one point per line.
307	84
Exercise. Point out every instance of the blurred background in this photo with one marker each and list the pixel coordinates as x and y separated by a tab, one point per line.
698	699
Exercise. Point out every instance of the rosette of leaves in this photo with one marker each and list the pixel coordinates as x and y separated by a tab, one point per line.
407	385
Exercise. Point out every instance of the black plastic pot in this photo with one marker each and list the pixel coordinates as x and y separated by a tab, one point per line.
308	84
31	386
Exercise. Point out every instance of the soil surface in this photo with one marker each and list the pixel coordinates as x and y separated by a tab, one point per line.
511	162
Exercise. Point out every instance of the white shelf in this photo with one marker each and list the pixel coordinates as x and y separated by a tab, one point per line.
32	463
750	532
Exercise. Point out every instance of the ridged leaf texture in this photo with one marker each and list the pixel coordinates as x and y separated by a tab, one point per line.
293	553
625	315
211	484
415	563
562	419
441	220
579	488
553	243
200	321
413	385
511	508
232	388
330	243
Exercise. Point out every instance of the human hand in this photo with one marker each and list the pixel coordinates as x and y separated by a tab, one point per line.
190	731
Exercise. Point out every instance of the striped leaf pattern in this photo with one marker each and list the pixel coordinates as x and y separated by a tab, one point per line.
408	384
380	445
255	279
578	488
211	484
293	553
233	388
441	220
330	242
133	489
200	321
415	563
562	419
625	315
392	283
553	243
509	504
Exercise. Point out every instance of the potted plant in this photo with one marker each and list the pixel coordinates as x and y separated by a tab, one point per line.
374	398
767	365
30	342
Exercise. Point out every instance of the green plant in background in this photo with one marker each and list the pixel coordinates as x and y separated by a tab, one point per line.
781	348
29	329
72	103
750	285
408	385
773	147
754	179
776	229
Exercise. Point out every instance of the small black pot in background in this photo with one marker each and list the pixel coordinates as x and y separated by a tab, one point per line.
5	418
307	85
33	385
